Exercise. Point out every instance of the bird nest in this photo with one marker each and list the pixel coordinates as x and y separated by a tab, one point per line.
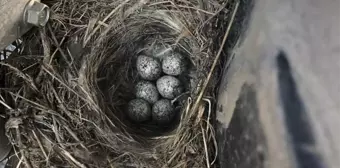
68	84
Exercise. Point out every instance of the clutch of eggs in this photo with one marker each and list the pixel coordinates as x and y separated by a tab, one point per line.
148	103
148	68
169	87
139	110
147	91
163	111
173	64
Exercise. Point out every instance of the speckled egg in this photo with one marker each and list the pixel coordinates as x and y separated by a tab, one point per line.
174	64
139	110
147	91
148	68
163	111
169	87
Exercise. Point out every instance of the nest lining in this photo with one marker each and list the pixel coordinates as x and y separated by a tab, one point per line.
66	101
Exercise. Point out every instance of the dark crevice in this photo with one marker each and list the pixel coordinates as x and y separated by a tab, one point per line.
296	118
242	144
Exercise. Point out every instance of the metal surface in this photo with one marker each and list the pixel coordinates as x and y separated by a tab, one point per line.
12	25
3	163
5	146
36	13
18	16
278	104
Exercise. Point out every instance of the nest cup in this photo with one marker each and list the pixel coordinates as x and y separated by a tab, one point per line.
143	35
73	101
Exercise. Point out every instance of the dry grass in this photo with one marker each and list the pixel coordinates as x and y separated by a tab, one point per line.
67	87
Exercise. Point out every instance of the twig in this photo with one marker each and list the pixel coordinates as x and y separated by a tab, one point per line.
160	3
56	133
209	113
26	78
46	45
216	59
29	101
74	135
105	19
4	104
58	45
20	162
200	113
215	145
69	156
200	10
55	52
205	148
62	83
27	162
40	144
178	97
47	53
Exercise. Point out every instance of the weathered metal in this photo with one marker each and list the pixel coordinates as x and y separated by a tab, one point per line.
18	16
36	13
11	16
279	101
5	146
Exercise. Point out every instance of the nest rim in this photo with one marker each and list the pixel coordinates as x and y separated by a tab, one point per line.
84	89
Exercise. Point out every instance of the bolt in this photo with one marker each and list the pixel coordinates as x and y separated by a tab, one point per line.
37	13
